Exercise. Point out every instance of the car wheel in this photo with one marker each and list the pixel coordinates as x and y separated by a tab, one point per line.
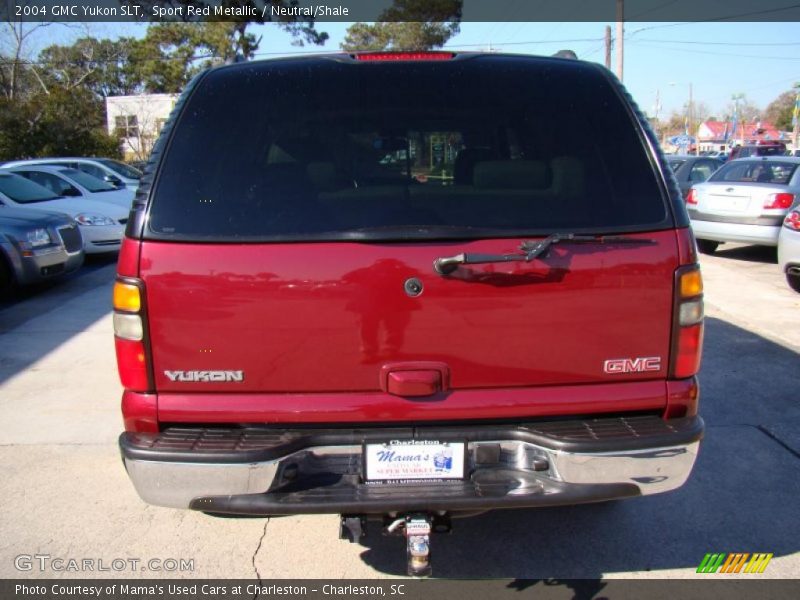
794	281
707	246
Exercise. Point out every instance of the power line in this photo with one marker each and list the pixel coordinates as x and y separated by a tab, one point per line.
693	51
718	43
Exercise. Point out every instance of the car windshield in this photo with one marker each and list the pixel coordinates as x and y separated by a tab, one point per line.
486	144
121	168
756	171
23	191
90	182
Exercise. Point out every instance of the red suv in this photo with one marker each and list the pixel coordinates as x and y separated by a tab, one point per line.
407	287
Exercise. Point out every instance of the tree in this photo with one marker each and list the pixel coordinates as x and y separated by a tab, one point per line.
300	27
63	122
102	66
407	25
779	111
15	76
748	111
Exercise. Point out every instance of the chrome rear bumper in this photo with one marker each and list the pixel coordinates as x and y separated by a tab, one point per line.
537	471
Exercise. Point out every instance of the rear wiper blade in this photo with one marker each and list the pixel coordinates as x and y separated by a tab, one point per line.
530	250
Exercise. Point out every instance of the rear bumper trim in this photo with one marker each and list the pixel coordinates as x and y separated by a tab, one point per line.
326	478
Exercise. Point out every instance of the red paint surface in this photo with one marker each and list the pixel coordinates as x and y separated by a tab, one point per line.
326	317
128	261
378	407
139	412
683	396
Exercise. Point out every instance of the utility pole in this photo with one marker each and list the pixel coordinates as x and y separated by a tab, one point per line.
739	120
796	119
691	121
608	47
620	37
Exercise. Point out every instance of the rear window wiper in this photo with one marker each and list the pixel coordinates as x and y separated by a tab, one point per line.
529	250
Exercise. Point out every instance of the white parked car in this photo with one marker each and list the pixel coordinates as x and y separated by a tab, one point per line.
789	248
745	201
72	183
102	224
109	170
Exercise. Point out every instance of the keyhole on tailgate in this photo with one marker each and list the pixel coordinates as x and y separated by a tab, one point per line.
413	286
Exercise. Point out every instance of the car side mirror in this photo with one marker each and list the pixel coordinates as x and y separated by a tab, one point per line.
71	191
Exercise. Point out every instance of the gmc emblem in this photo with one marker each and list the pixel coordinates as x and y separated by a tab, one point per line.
632	365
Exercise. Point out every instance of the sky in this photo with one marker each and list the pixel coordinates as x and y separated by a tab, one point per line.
759	60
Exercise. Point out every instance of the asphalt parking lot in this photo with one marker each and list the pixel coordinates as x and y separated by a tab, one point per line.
67	495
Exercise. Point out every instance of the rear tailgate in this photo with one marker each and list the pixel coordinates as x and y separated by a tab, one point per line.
282	240
293	319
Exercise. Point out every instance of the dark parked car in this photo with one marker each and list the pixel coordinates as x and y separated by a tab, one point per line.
760	149
503	319
689	170
36	246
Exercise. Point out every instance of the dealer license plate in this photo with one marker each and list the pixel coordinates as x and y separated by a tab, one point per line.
414	460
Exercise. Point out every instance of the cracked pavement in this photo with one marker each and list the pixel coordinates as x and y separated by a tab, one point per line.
67	495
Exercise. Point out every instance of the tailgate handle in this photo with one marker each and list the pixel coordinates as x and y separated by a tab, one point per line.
415	379
414	383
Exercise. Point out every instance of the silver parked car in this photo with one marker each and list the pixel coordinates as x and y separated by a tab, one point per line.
36	245
745	201
102	224
789	248
73	183
109	170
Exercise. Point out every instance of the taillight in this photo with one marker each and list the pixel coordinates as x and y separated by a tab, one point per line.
782	200
792	220
687	327
130	339
376	56
691	197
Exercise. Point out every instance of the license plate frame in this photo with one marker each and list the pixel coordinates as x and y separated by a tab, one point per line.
414	461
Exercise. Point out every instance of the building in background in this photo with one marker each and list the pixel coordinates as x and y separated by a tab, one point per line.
137	121
723	135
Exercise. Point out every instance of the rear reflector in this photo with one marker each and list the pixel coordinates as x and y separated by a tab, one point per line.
783	200
389	56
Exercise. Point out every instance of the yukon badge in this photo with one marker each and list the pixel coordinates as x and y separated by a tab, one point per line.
616	366
198	376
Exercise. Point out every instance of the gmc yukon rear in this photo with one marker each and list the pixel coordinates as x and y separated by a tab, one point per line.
407	287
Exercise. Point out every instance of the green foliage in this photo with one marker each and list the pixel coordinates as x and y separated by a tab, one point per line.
407	25
779	111
61	123
55	105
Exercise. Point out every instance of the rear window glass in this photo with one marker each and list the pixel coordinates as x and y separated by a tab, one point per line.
20	190
756	171
90	182
329	149
121	168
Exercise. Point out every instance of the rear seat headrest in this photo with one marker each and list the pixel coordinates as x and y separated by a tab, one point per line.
512	175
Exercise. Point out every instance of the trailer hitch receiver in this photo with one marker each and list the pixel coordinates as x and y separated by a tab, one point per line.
418	544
